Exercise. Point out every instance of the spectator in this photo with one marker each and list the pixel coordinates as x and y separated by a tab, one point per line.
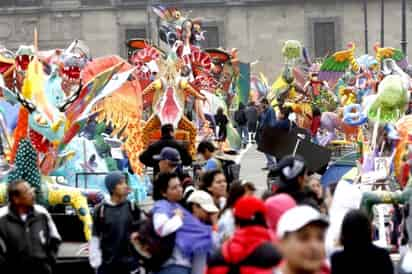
221	122
276	206
320	194
315	125
226	223
113	222
249	250
252	116
29	240
241	124
168	160
167	140
249	187
267	119
301	233
193	238
202	207
283	122
293	176
214	182
207	150
359	254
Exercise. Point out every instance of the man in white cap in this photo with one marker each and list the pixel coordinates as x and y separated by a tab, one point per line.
301	231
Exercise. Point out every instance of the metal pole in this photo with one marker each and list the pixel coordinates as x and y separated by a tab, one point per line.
404	42
365	17
382	23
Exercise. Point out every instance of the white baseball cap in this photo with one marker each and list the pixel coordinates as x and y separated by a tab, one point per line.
204	200
298	217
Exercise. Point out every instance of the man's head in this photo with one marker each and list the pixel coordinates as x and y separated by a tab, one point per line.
206	149
167	130
169	159
264	103
116	184
284	113
20	194
301	231
250	211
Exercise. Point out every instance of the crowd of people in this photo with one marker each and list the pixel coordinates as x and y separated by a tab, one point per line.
208	225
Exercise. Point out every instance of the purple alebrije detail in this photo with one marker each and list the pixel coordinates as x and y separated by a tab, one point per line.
330	75
403	64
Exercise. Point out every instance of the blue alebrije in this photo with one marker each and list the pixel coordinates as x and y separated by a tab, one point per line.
66	199
82	211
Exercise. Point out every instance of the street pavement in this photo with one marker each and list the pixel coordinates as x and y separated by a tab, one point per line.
251	164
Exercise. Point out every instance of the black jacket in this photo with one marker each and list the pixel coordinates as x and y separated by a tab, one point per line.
252	115
113	225
364	260
154	149
27	246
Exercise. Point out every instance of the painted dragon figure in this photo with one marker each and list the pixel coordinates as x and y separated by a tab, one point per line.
57	114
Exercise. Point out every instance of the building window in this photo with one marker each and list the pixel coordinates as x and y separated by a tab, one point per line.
96	2
135	33
324	38
6	3
22	3
131	33
212	37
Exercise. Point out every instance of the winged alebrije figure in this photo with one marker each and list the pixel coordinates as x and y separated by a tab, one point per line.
170	92
335	65
396	54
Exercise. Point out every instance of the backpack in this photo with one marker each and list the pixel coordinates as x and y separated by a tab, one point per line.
133	210
159	248
230	169
240	118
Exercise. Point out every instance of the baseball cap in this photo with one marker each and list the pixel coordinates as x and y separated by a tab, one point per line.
170	154
247	206
299	217
290	167
204	200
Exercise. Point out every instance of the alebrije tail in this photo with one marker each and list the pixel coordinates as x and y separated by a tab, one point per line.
306	57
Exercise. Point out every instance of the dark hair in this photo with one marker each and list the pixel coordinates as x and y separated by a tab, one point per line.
259	220
220	111
12	190
316	112
167	130
356	231
161	184
236	191
208	177
205	145
264	101
241	106
285	111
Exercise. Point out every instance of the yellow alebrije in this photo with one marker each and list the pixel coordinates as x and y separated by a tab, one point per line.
3	193
77	201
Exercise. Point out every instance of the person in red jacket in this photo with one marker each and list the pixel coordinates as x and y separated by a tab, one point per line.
249	250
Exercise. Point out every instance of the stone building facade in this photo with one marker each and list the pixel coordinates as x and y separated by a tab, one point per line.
256	27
